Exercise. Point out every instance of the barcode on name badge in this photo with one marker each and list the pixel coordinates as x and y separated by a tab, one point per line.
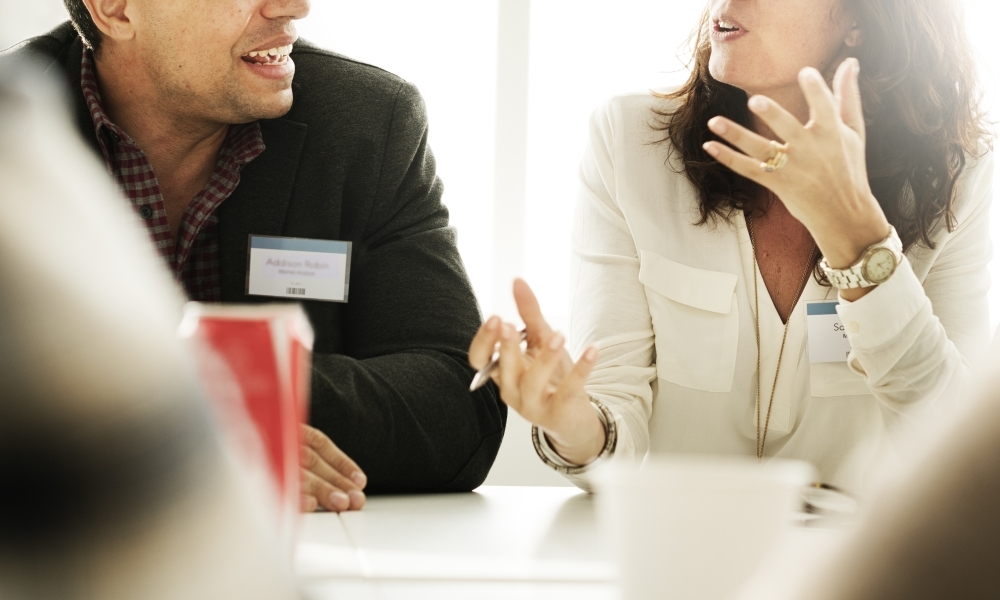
296	291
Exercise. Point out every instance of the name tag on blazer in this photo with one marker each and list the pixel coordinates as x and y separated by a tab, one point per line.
828	341
298	268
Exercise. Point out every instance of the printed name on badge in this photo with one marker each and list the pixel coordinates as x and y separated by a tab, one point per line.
298	268
828	342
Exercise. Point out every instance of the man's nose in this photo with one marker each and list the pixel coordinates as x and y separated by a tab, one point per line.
286	9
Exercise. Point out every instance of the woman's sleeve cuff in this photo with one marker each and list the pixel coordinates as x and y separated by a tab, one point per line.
885	311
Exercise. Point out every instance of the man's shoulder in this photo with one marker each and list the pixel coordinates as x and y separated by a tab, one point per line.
46	47
317	64
329	85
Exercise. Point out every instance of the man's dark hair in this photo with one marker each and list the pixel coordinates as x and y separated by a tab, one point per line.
83	23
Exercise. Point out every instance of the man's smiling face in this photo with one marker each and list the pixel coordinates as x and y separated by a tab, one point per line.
221	60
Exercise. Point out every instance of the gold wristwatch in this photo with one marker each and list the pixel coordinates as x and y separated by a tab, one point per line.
876	266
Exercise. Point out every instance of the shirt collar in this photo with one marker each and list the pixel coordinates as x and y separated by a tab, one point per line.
95	105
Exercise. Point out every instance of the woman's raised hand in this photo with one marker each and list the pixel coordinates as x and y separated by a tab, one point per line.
824	183
541	382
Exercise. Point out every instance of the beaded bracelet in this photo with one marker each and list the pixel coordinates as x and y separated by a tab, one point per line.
610	441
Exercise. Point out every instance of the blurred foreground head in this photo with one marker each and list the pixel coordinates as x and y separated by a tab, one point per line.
934	531
113	483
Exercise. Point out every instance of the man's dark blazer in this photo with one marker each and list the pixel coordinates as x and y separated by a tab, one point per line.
350	162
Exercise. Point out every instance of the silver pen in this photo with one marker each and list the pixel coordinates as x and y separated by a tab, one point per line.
486	372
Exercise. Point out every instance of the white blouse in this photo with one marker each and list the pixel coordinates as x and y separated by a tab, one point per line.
670	306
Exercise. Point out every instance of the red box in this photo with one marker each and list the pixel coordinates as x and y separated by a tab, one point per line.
255	363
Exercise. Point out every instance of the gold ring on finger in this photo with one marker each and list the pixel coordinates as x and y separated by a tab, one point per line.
778	161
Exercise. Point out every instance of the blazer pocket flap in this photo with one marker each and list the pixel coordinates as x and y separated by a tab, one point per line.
698	288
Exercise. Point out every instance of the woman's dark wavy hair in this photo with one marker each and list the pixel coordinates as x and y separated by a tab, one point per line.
921	102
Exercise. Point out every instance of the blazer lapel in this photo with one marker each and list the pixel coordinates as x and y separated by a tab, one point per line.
260	203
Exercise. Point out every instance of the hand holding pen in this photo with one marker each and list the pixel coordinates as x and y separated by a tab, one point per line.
486	373
541	381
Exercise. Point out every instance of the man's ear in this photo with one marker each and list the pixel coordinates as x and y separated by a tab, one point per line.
111	17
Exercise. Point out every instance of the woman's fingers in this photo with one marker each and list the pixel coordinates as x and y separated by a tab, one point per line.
576	379
484	344
822	104
517	381
848	94
531	312
738	162
777	118
753	145
511	366
536	380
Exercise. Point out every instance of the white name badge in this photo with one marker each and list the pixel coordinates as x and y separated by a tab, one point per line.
828	341
299	268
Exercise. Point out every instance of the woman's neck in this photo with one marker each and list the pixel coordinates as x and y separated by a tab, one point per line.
790	98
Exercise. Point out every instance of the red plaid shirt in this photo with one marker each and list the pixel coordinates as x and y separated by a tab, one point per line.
193	257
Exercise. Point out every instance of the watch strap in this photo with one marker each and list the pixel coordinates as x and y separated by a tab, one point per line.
854	276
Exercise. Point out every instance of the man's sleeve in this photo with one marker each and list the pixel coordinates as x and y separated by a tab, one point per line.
398	403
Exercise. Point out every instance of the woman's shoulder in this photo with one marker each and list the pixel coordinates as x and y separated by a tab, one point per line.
975	186
640	101
633	120
980	163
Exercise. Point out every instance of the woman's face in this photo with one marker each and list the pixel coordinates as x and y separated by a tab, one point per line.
761	45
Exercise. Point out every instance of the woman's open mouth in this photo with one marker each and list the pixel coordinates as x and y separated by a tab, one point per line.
726	29
726	26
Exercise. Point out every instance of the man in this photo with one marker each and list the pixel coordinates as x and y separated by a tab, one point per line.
190	106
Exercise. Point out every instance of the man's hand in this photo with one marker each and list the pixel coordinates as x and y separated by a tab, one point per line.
329	477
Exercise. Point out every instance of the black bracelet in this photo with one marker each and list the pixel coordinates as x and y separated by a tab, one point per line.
610	441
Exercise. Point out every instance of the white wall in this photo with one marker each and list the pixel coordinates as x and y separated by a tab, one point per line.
21	19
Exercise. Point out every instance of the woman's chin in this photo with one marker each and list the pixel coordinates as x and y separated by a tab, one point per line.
726	73
744	79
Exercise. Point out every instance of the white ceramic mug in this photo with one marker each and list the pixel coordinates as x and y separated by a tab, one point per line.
695	528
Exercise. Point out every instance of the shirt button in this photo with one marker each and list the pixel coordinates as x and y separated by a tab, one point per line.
145	212
854	327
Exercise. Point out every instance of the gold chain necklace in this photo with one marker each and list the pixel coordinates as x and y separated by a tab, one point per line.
762	439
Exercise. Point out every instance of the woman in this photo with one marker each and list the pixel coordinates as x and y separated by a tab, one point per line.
692	345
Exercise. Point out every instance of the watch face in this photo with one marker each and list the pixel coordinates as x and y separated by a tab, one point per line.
880	265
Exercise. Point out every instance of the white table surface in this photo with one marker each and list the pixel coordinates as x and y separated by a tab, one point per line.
497	542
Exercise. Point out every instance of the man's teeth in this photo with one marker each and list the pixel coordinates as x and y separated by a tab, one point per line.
279	52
